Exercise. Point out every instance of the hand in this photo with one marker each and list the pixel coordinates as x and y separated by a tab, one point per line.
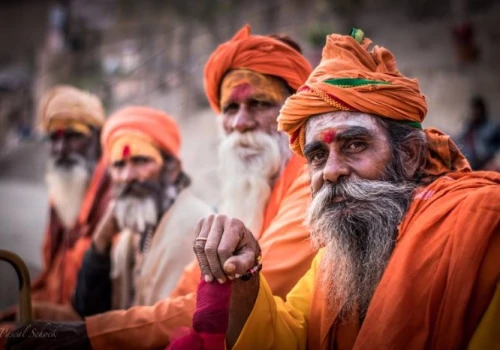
225	248
42	335
43	310
105	229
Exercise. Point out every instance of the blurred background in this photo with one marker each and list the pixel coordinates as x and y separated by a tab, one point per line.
153	53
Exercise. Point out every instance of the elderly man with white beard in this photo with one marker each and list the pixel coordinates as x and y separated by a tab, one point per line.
262	183
152	208
78	188
409	236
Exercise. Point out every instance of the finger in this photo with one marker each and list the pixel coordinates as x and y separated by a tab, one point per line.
212	246
240	263
233	233
199	247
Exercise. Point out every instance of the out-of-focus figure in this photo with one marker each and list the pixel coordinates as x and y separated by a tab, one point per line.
480	139
152	208
247	80
78	187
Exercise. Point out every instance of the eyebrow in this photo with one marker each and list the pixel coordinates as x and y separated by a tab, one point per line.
353	132
350	133
312	146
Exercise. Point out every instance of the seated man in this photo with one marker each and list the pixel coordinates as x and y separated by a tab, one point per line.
410	237
152	207
262	183
78	187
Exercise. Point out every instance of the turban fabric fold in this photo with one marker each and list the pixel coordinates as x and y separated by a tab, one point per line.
262	54
140	129
65	106
350	77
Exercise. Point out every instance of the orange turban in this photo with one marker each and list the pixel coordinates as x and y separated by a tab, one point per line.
65	106
351	78
140	131
261	54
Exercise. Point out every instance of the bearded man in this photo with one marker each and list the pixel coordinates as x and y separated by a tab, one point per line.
78	187
153	209
263	184
410	236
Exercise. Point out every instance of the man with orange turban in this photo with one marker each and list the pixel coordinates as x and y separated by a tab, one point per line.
78	187
409	236
153	209
247	79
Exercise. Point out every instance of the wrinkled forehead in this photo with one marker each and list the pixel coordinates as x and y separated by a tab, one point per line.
340	120
240	84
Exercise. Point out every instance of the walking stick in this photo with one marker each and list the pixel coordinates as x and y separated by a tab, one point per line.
25	313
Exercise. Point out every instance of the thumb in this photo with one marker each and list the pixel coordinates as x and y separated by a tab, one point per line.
240	264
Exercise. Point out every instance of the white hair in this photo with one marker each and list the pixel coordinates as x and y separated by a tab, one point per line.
136	213
67	187
249	163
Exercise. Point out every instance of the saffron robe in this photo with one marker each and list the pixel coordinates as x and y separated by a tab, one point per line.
437	292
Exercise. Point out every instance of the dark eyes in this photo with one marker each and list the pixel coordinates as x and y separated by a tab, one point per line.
255	104
68	135
317	157
141	160
119	164
355	146
260	104
134	160
232	107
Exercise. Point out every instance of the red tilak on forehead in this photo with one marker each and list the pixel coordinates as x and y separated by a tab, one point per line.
126	151
328	136
60	132
241	92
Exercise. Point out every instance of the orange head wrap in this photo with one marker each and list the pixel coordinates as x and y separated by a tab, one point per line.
140	131
261	54
351	78
66	107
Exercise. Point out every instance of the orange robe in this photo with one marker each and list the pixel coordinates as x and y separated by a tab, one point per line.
286	256
64	249
438	291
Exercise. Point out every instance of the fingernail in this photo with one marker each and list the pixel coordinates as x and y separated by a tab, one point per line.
230	277
230	268
237	275
208	278
221	281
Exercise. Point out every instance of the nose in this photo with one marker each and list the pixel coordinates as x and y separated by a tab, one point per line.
244	120
335	169
128	173
59	147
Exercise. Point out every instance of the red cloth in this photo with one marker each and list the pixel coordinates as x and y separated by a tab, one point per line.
210	320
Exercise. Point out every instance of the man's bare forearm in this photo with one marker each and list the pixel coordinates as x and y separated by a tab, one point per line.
243	298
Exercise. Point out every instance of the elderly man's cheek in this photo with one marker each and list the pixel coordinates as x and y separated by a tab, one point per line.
372	168
316	180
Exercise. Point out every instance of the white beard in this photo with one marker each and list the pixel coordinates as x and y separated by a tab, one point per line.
248	164
67	188
136	213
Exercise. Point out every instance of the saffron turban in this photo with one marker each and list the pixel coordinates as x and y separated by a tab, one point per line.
352	78
64	107
261	54
141	131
